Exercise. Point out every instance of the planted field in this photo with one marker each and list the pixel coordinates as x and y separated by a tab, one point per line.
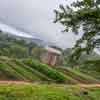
9	72
15	91
30	70
15	71
53	74
93	70
79	76
34	71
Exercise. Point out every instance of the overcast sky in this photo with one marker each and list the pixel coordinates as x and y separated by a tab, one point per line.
36	16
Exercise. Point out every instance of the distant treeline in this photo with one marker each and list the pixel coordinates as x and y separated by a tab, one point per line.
17	47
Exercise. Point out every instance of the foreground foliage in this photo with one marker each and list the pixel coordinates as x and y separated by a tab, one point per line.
47	92
84	14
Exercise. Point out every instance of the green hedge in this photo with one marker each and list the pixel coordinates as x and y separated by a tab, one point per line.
81	75
33	72
9	71
28	75
50	72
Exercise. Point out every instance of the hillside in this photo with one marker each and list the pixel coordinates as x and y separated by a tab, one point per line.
91	67
87	64
19	60
33	71
24	77
18	47
84	57
30	70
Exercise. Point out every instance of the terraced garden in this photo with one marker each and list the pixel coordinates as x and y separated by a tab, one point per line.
79	76
33	71
29	70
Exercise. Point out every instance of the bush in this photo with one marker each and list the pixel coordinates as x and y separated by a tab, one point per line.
9	72
45	69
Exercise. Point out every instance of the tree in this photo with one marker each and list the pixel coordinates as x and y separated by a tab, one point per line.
83	14
18	51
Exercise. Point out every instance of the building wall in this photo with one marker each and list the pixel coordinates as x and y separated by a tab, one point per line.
49	58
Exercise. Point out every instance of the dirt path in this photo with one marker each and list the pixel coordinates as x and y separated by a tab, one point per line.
27	83
14	82
88	85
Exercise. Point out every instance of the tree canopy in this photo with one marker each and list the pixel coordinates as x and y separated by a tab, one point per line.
83	14
18	47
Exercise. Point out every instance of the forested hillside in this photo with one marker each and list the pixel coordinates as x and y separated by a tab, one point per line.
17	47
83	58
14	47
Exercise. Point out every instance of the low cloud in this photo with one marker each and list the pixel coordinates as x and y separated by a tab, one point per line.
35	16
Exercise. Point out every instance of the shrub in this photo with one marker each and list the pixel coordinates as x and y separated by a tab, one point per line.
43	68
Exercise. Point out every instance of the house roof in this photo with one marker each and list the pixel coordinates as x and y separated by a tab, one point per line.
53	50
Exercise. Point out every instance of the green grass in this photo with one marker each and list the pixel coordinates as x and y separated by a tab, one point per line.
34	71
92	70
92	73
19	72
31	70
47	92
77	75
9	71
81	75
52	73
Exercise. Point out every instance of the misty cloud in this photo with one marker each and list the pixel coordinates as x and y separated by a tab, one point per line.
36	16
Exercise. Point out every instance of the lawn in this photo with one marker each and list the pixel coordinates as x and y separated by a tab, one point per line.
12	91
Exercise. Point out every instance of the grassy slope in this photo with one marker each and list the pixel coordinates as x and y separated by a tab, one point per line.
91	69
36	71
81	77
30	70
47	92
52	73
20	71
91	72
